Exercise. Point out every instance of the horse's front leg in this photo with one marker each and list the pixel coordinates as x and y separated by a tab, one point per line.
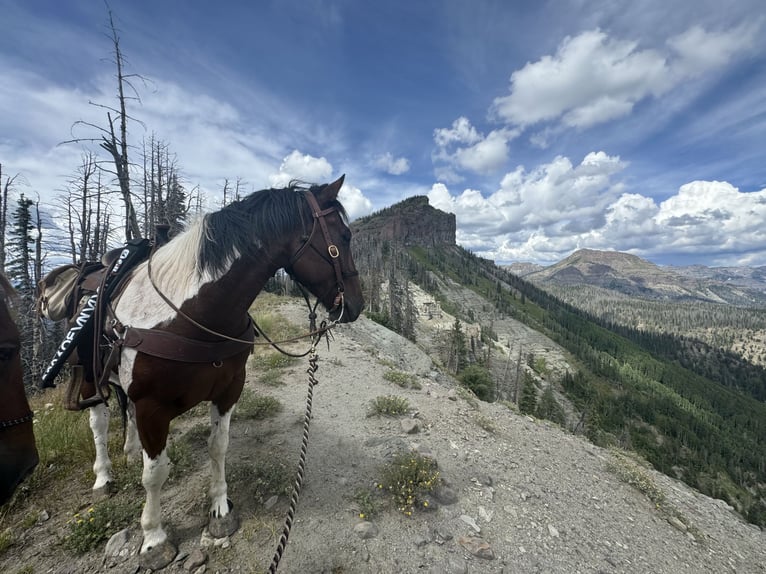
156	550
223	521
102	467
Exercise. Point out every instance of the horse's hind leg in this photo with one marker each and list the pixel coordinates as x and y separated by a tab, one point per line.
223	521
132	448
102	467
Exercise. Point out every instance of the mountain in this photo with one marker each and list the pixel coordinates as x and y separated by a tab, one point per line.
692	409
630	275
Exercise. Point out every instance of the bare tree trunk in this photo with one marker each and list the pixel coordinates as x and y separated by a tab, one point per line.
118	147
4	213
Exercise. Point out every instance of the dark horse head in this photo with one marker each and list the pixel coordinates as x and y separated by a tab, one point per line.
18	453
301	228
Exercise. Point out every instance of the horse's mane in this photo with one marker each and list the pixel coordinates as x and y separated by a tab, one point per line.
244	227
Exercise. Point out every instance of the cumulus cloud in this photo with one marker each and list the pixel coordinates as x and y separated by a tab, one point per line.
394	166
462	147
545	214
305	167
594	78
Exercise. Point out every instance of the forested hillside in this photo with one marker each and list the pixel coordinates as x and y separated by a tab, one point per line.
694	414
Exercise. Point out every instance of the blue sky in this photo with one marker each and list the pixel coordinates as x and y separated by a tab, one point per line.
545	127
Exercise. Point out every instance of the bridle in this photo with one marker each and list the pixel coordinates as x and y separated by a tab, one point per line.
333	254
318	215
6	352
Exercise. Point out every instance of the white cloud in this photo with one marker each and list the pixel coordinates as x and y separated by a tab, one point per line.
462	147
310	169
461	132
593	78
303	167
545	214
354	201
391	165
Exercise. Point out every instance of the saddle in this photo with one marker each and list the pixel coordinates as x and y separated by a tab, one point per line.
83	294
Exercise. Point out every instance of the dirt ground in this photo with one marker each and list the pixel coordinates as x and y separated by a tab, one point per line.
529	496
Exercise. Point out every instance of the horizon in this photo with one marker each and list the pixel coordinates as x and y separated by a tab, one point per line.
544	127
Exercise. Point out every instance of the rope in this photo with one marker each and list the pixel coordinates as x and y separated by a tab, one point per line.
301	464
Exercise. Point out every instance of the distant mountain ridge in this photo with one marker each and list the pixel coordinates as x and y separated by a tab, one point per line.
629	275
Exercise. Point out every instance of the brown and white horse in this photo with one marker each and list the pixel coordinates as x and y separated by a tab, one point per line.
208	276
18	453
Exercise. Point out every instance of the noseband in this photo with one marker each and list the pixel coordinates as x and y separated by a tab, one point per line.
332	249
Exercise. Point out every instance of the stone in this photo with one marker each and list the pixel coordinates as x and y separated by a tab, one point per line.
366	530
471	522
410	426
271	502
195	559
444	495
477	547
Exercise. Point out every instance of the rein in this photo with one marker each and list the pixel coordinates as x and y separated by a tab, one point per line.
334	253
9	350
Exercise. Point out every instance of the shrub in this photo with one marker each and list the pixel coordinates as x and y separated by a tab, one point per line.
408	478
389	405
88	529
479	381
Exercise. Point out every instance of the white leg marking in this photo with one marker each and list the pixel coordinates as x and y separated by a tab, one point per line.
154	476
217	445
132	448
99	425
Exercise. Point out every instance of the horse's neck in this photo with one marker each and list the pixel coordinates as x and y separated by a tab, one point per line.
238	287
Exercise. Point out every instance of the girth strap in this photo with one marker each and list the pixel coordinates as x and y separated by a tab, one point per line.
174	347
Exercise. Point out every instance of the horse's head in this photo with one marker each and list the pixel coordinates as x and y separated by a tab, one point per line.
322	262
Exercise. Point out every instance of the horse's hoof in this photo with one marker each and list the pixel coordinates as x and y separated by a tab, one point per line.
222	526
105	491
158	557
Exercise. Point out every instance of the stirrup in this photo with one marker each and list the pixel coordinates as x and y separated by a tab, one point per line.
73	401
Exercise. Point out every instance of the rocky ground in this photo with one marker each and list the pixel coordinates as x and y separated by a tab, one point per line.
520	495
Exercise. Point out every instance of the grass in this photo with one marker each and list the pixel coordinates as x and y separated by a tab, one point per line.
402	379
389	405
256	407
269	477
369	505
628	470
88	529
485	423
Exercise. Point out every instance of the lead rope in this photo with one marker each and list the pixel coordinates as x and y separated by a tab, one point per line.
313	357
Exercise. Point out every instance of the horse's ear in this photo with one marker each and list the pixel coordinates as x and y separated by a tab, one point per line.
330	191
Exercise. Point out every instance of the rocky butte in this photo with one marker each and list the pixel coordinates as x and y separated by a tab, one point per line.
409	222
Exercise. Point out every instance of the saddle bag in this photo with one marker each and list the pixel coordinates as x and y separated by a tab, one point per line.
57	291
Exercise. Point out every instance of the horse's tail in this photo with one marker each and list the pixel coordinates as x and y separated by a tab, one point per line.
122	400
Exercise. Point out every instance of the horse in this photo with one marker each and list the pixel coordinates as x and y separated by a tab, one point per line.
194	293
18	452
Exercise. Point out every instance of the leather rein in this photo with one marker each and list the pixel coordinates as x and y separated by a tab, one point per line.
315	333
9	349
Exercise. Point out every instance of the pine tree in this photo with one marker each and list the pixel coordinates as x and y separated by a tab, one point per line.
528	401
20	244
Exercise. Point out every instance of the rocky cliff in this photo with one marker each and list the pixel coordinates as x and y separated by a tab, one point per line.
409	222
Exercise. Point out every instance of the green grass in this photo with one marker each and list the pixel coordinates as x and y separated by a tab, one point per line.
404	380
256	407
390	405
89	528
